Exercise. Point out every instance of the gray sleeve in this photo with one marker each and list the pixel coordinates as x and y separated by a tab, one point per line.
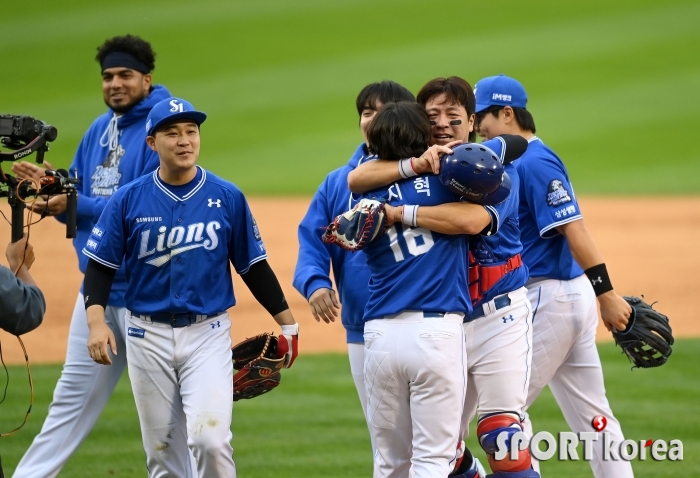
22	306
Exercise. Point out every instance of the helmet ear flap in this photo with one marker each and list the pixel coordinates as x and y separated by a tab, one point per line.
474	172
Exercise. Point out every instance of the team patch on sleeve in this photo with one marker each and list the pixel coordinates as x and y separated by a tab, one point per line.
557	193
256	231
95	238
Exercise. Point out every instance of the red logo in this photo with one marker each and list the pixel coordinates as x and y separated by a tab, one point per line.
599	423
264	372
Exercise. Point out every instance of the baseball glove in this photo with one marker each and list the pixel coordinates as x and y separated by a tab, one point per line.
258	366
648	337
356	228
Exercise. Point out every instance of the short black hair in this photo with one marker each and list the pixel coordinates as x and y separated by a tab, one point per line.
131	44
456	90
383	92
399	130
522	116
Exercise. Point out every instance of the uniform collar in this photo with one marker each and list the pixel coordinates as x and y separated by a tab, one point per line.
163	187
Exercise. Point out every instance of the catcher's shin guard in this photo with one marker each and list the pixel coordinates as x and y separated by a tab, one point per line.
488	431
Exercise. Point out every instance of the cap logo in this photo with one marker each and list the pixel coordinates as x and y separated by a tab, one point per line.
148	125
501	97
175	106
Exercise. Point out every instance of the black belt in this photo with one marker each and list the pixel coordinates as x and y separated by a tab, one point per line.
176	320
432	314
500	302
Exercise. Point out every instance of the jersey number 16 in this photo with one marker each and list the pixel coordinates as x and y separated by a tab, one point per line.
417	240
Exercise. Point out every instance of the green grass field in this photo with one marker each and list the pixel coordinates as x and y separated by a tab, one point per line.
614	85
312	426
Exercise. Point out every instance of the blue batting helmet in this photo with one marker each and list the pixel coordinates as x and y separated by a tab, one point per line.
474	172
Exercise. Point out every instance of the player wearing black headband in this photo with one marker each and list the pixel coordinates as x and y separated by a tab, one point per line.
112	153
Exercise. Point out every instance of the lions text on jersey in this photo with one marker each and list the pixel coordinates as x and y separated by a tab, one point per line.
177	247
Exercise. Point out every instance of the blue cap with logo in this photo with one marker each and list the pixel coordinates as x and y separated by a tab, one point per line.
169	110
499	90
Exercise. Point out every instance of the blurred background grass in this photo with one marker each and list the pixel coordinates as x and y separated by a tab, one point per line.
312	425
614	85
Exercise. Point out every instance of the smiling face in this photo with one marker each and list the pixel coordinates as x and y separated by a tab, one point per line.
122	88
368	113
441	113
177	145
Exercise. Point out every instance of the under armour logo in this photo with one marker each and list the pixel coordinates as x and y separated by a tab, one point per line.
506	319
597	281
212	202
216	324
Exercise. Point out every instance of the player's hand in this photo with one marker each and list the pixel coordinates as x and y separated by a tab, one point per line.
288	344
614	310
55	205
19	252
99	338
27	170
324	305
429	162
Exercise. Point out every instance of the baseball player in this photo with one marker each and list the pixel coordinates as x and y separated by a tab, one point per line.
176	231
415	361
112	153
499	330
567	273
311	276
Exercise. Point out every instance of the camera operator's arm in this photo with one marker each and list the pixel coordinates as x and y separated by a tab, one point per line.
22	304
98	283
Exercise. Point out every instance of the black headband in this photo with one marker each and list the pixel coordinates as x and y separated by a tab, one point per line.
124	60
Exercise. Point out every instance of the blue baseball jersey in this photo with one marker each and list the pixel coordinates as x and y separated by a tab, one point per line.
350	270
503	240
176	243
547	200
413	268
104	166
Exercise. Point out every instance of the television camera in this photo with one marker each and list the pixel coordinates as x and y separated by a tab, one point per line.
25	135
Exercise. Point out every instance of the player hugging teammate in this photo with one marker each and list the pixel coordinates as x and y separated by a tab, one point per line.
500	345
498	330
405	284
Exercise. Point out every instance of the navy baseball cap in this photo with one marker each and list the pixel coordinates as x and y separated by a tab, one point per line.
499	90
170	110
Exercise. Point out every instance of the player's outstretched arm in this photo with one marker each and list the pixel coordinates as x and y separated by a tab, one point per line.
614	310
97	284
263	284
449	218
381	172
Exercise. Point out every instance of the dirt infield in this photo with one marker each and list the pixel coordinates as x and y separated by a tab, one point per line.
645	242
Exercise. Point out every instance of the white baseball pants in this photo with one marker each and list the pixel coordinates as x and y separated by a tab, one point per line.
415	375
182	380
356	355
499	354
565	357
78	399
